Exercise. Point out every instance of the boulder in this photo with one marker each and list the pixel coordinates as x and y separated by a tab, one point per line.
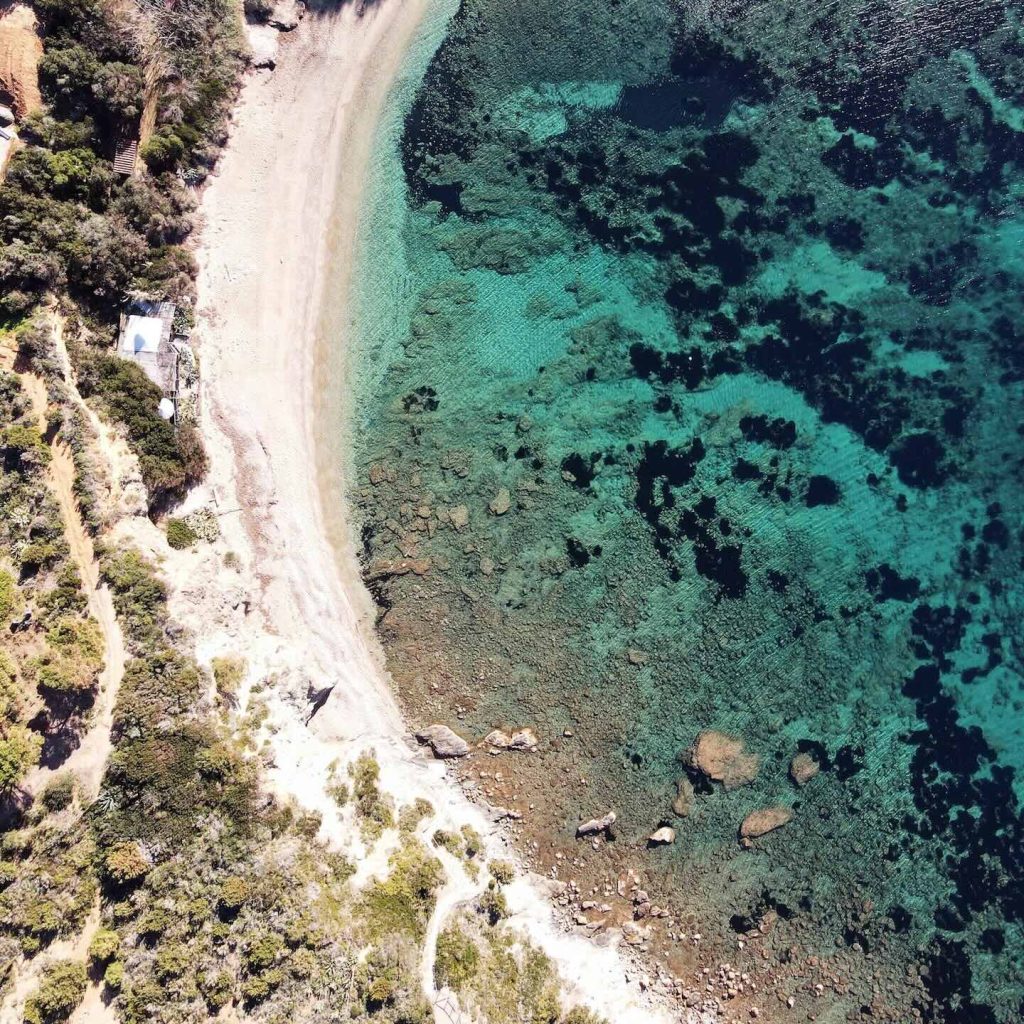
722	758
664	836
683	803
443	741
459	516
803	768
596	825
520	739
760	823
523	739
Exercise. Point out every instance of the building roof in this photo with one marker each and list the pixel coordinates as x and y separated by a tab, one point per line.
142	334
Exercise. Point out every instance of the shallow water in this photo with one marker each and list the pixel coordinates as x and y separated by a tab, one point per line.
705	321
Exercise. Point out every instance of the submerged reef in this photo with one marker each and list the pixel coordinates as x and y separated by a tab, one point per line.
704	413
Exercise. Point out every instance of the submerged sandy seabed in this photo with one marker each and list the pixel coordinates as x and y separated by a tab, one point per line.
276	247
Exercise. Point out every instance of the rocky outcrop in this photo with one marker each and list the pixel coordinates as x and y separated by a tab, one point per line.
760	823
722	758
596	825
803	768
443	742
664	836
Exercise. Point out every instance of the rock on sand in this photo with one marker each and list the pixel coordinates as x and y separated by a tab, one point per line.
443	741
520	739
722	758
595	825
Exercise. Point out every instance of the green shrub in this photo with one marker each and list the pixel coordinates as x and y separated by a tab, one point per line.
581	1015
104	946
448	841
173	961
492	904
374	809
113	976
402	902
457	959
412	814
502	871
59	792
139	596
10	597
125	863
233	893
180	535
61	990
170	459
262	950
228	674
474	844
19	751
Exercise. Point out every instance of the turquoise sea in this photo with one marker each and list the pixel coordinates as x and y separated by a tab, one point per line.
691	397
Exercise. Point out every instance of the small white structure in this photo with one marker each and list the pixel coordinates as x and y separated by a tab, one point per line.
145	339
166	409
142	334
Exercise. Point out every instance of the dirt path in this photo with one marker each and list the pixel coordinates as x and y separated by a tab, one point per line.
458	892
89	759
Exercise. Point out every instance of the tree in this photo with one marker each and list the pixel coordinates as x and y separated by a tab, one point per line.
119	88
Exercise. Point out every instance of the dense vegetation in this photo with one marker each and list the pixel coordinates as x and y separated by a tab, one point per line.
72	228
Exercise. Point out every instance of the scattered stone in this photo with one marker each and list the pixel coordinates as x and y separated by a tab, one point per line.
521	739
664	836
636	657
596	825
803	768
759	823
504	813
722	758
443	741
683	803
399	567
459	516
502	502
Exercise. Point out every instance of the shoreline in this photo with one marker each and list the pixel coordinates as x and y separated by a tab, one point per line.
273	287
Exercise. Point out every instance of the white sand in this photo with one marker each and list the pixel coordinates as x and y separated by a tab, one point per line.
280	221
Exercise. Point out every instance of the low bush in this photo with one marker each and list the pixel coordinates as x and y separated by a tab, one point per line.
180	535
457	958
59	792
104	947
61	990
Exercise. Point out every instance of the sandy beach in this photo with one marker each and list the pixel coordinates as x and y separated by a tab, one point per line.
279	222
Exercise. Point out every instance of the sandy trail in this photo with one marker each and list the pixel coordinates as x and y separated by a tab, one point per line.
281	217
89	759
